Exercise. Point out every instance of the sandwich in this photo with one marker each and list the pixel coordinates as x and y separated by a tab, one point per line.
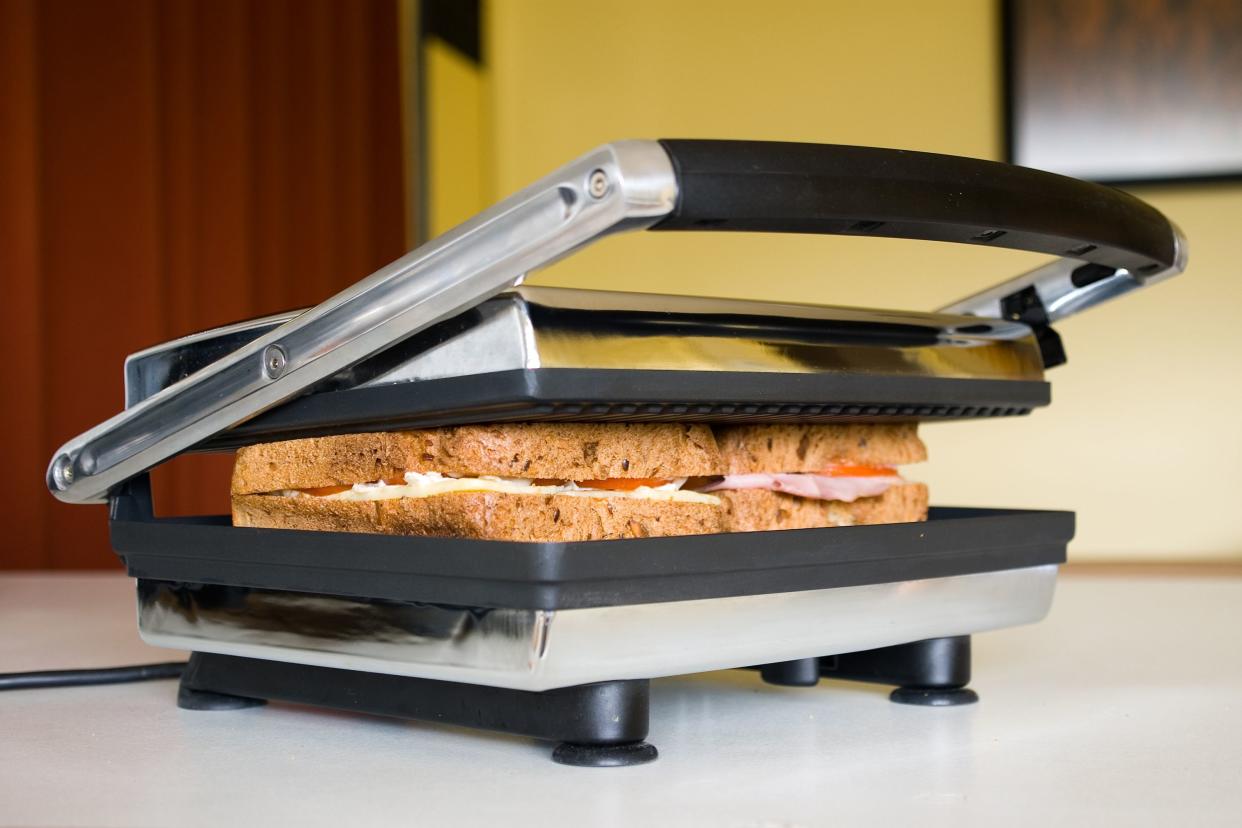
582	481
810	476
522	482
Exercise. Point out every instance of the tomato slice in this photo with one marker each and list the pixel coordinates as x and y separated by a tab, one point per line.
622	484
852	470
547	481
323	491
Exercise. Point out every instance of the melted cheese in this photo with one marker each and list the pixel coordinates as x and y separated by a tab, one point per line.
839	515
430	484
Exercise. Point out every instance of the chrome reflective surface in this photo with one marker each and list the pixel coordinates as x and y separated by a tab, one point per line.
439	280
1060	296
154	369
538	650
532	327
601	329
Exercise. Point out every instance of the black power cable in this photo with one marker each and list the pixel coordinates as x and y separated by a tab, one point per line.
84	678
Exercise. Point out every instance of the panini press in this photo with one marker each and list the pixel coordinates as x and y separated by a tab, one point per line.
559	641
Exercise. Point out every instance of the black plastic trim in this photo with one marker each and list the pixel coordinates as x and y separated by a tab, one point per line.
550	576
606	395
771	186
605	713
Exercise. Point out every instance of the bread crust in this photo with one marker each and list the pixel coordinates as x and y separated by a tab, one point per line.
754	510
568	451
783	448
484	516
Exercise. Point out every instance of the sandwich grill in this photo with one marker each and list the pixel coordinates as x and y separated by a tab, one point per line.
559	640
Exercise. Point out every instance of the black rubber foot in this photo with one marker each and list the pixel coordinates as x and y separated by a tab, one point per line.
188	699
934	696
604	756
803	672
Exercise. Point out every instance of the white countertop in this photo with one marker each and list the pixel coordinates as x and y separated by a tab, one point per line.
1123	707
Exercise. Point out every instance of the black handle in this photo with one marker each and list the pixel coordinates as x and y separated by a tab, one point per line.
861	191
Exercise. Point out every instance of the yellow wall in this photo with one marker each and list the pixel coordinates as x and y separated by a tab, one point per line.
458	181
1141	440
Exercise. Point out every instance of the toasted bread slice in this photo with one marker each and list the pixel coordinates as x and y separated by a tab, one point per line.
484	516
813	447
563	451
753	510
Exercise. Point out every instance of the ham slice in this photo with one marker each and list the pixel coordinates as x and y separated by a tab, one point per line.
818	486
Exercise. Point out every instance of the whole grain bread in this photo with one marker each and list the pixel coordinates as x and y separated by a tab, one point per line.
484	515
782	448
753	510
565	451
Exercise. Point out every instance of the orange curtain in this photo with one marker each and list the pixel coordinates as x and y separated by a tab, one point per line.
167	167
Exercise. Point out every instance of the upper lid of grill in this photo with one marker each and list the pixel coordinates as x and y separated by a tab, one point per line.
1112	241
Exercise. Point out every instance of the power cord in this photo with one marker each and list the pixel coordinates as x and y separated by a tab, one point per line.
85	678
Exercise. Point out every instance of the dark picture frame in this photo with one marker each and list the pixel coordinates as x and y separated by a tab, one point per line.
1124	92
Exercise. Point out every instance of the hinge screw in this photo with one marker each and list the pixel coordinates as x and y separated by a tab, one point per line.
62	472
274	361
598	184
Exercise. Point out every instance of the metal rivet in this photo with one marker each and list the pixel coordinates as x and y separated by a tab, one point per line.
274	361
598	184
62	472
